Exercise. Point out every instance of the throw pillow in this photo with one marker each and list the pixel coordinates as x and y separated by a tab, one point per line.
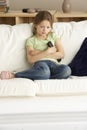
79	64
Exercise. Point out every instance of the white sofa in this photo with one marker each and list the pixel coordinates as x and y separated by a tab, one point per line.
49	104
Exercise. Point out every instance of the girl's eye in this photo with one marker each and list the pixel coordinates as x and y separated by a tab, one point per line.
48	27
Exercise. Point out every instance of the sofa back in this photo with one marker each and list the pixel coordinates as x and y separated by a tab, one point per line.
13	38
12	46
72	35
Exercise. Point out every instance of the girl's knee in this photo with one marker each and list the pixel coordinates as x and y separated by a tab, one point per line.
67	71
44	68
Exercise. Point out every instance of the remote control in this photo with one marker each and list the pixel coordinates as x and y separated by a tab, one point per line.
51	45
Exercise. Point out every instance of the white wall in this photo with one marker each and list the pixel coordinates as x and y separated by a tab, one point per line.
77	5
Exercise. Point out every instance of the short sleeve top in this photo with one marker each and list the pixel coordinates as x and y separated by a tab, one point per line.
39	44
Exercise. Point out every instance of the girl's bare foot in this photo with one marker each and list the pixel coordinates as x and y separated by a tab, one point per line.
6	75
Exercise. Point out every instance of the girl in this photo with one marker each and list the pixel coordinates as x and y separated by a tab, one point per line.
43	58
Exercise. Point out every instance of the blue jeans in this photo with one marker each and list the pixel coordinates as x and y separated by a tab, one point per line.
45	69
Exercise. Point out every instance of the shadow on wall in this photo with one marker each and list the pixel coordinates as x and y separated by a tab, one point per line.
47	4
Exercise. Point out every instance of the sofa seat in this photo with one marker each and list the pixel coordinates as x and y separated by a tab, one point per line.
77	86
19	87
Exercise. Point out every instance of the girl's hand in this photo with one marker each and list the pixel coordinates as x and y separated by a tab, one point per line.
51	49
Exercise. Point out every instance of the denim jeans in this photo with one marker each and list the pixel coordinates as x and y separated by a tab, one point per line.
45	69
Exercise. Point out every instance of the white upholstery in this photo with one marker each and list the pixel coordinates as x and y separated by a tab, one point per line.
13	58
12	46
17	87
42	105
61	87
72	34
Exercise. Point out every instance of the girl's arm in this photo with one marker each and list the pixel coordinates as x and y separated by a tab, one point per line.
36	55
34	52
55	52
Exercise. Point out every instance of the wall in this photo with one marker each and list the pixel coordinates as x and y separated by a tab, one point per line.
77	5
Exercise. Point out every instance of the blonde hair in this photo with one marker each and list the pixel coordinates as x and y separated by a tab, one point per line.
42	15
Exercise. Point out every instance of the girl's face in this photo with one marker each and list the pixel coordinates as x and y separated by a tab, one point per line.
43	28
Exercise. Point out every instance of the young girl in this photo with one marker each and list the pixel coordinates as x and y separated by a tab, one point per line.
43	58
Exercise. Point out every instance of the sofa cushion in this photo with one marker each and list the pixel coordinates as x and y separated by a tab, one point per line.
79	63
61	87
72	35
17	87
12	46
